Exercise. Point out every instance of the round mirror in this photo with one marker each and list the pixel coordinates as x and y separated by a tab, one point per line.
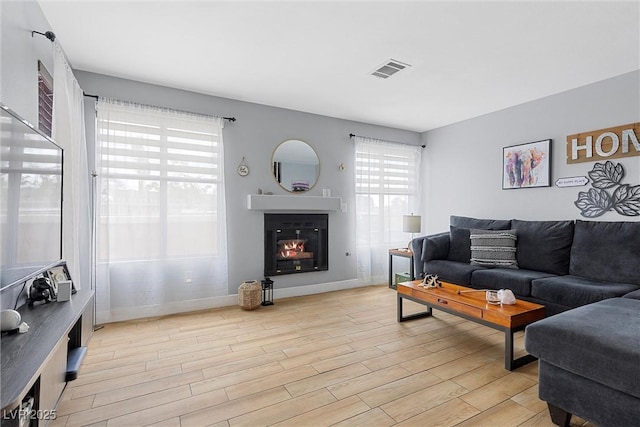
295	166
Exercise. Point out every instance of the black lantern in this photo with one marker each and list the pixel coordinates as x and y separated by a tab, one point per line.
267	291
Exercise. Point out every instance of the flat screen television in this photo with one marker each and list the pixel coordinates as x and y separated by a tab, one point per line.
30	200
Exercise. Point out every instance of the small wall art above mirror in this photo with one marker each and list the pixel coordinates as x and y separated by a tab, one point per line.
295	166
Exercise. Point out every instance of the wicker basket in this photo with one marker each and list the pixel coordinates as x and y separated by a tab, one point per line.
249	297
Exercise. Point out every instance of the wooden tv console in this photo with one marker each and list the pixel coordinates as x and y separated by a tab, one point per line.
35	364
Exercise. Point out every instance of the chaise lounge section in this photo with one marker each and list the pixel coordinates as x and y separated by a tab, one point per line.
589	362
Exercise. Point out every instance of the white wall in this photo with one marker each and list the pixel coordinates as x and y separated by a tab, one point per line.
256	133
20	56
463	162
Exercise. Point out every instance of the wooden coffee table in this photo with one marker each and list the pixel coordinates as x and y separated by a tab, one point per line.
473	306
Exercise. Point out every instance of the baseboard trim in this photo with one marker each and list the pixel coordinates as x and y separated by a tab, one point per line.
150	311
298	291
147	311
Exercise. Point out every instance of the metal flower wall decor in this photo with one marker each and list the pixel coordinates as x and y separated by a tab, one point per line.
625	198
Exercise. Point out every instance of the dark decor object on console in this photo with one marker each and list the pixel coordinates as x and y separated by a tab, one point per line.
295	243
561	264
41	290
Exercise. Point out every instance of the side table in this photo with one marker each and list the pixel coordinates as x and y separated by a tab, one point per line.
402	253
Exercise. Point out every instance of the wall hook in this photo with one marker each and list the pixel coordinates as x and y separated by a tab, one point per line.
49	34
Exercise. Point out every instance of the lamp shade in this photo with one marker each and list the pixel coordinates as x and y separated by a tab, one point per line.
411	223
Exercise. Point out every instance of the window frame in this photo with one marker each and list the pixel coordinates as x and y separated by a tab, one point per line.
45	100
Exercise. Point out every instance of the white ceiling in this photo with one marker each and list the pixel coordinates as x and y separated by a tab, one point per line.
467	58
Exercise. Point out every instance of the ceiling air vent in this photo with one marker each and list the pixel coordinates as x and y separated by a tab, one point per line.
389	68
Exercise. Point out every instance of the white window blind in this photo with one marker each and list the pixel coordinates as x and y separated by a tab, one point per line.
387	187
161	238
45	100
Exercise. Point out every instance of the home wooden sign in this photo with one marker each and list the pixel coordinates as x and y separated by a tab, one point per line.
604	144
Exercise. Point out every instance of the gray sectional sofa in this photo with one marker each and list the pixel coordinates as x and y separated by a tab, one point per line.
589	345
560	264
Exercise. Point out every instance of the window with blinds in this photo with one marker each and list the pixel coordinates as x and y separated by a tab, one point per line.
161	180
45	100
387	187
385	169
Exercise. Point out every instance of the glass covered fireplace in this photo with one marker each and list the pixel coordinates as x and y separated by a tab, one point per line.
295	243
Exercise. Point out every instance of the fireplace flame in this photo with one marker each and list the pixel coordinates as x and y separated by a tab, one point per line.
293	245
292	249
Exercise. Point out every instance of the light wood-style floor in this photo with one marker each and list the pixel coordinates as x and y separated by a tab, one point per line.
337	358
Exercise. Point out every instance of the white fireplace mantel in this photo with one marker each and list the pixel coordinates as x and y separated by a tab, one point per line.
263	202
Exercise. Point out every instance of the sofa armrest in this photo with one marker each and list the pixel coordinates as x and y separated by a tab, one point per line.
426	248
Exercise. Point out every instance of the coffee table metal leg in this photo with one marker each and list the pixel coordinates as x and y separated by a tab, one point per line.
420	315
509	362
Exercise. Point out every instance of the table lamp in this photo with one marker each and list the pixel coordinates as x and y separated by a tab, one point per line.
411	224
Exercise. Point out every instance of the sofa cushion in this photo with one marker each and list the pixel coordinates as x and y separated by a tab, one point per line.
574	291
484	224
451	271
435	247
597	341
519	281
606	251
493	248
544	245
459	245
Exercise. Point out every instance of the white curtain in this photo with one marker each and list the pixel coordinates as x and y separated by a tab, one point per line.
160	211
69	132
387	187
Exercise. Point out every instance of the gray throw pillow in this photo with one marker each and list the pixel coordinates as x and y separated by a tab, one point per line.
544	245
493	248
459	244
606	251
435	247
